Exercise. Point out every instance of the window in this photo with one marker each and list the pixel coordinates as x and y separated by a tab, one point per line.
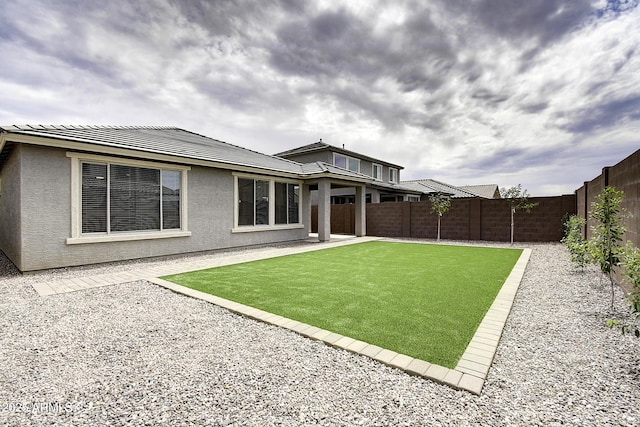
343	200
393	175
287	203
345	162
354	165
119	198
377	172
253	202
254	207
413	198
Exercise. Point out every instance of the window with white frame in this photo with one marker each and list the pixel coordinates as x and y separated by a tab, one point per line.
266	202
346	162
253	201
125	198
393	175
119	199
377	172
287	203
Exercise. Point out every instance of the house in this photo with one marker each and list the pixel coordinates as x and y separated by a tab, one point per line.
75	195
386	185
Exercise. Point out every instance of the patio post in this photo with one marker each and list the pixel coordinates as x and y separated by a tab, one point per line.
324	210
361	211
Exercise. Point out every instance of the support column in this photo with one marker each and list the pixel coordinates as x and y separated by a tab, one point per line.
324	210
361	211
305	199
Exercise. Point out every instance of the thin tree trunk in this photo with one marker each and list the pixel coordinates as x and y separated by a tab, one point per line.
439	227
512	227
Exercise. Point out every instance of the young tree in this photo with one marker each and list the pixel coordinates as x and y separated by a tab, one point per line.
518	200
631	264
605	244
440	203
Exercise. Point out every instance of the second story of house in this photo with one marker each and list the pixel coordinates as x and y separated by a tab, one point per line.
379	170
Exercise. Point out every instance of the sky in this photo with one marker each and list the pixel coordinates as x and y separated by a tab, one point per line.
543	93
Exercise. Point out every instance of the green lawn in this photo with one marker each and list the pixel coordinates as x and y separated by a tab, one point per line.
425	301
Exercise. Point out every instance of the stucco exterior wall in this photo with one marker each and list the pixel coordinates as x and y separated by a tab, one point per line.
10	221
46	218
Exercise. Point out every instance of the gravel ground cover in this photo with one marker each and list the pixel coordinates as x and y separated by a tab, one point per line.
137	354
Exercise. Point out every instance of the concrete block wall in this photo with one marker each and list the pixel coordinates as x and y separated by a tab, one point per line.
467	219
385	220
624	176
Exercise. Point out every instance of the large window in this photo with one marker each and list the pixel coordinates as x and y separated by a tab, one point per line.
124	198
266	202
346	162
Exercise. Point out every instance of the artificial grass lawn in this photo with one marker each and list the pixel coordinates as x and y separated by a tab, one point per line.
422	300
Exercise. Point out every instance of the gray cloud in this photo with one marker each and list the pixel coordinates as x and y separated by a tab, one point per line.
476	86
543	20
605	115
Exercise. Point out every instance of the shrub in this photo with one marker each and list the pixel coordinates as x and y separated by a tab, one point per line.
575	242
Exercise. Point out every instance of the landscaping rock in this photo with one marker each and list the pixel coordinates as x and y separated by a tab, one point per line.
137	354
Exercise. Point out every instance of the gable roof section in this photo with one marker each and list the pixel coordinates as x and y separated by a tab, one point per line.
488	191
184	146
432	186
322	146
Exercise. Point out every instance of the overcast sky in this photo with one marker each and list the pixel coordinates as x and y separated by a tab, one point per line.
538	92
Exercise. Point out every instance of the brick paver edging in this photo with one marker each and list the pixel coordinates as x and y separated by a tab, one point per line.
469	374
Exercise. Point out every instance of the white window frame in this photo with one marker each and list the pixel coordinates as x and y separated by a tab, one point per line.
272	206
379	176
393	177
347	158
77	237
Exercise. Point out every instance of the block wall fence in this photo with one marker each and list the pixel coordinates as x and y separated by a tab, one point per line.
467	219
623	176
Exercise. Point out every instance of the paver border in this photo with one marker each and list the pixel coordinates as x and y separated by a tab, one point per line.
471	370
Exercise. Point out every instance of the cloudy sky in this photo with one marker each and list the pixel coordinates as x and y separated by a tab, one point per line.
539	92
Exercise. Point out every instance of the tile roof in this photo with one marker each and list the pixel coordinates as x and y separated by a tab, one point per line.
432	186
398	188
487	191
178	143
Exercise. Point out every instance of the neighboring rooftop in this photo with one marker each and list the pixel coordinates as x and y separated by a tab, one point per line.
433	186
488	191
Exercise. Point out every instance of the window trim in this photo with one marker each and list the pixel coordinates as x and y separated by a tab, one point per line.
373	171
394	180
272	206
347	158
77	237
